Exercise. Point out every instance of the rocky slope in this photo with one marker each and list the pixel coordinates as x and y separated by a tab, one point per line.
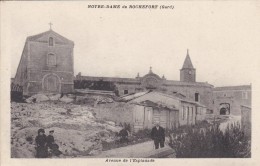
77	131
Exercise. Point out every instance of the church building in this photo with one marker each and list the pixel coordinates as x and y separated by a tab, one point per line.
46	64
187	88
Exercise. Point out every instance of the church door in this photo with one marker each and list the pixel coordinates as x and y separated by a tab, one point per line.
51	84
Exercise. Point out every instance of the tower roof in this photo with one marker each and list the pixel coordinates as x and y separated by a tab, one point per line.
187	63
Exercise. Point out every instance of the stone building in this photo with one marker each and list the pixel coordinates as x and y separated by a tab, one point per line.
187	88
228	100
141	110
46	64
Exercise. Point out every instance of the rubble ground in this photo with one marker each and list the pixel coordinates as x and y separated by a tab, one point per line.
77	131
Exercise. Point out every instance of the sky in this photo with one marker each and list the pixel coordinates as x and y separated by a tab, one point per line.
222	38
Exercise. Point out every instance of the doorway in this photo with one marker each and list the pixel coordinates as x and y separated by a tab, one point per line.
51	83
224	109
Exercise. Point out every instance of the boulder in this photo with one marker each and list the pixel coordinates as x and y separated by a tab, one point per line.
55	97
113	128
66	99
37	98
71	96
111	123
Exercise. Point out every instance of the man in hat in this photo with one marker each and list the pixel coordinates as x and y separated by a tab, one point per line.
158	135
41	148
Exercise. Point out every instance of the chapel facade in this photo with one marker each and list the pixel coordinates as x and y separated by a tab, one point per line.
46	64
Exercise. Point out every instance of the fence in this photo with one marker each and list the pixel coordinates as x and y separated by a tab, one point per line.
16	93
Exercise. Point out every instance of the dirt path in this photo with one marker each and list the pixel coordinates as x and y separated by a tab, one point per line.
142	150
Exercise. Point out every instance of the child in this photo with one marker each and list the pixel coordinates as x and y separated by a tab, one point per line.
50	139
54	148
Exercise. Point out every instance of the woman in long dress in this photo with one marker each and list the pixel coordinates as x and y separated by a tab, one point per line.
41	144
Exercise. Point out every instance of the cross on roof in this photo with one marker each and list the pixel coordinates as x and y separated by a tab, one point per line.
50	24
150	69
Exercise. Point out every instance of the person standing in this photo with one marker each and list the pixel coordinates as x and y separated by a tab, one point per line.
158	135
41	141
123	135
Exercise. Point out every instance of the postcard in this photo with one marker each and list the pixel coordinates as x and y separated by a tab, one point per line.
130	82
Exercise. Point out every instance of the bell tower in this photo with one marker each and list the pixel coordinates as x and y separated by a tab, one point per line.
188	72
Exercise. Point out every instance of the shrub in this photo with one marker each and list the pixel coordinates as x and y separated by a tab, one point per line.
127	126
210	142
141	134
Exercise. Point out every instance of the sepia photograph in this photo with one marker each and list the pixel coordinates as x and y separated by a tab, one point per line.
139	80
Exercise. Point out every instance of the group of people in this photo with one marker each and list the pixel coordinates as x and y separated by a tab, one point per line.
45	145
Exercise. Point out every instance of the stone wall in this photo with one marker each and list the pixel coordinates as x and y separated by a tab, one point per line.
201	114
116	112
246	119
234	97
38	67
205	93
187	114
38	56
131	88
20	77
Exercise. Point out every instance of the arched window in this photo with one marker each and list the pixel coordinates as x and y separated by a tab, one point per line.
51	59
50	41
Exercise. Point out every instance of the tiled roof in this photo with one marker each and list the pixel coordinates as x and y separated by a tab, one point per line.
156	97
